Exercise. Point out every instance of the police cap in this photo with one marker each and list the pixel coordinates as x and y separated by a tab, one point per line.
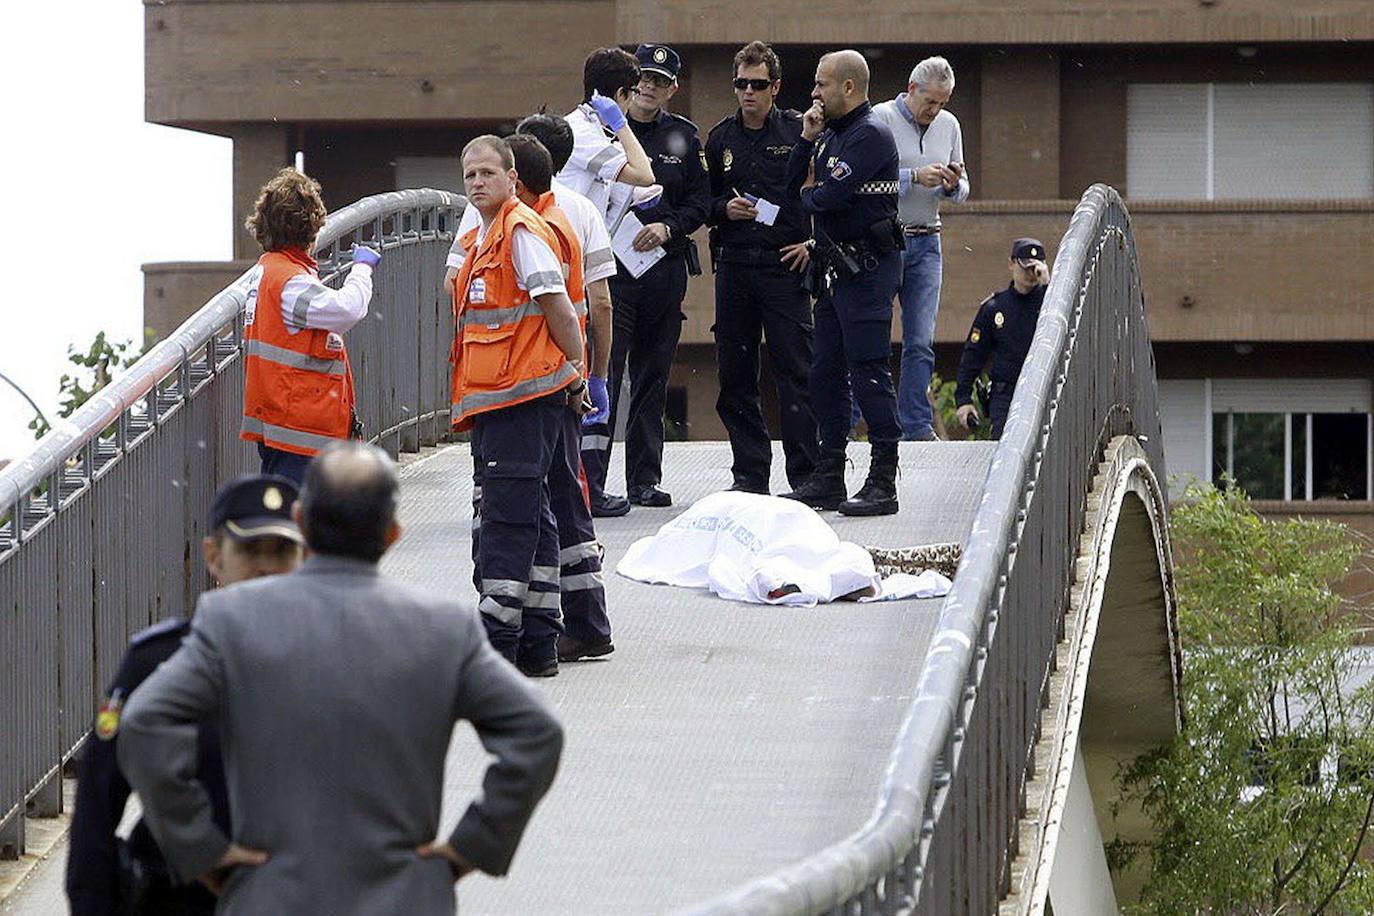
659	59
255	506
1027	250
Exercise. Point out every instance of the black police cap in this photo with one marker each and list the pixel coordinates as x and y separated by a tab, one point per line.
255	506
659	59
1028	250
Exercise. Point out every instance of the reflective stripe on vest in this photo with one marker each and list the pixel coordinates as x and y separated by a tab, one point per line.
285	357
274	434
524	391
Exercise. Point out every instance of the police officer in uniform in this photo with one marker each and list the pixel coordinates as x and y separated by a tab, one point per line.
758	265
845	169
252	535
1002	331
648	310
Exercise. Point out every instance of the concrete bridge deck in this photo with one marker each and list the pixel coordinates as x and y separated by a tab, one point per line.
721	740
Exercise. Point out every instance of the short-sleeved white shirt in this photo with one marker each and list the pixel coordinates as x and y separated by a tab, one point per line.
598	261
596	158
537	269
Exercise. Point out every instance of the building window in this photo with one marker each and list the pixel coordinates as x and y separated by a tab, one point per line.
1294	456
1234	141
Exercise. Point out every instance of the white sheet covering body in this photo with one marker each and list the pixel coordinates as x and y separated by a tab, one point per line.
764	550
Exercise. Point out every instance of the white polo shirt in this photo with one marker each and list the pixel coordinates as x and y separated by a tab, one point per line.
598	261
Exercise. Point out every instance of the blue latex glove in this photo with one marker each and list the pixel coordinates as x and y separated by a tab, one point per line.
364	255
904	177
601	402
608	111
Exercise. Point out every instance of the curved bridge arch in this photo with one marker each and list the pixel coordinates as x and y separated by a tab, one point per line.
1114	693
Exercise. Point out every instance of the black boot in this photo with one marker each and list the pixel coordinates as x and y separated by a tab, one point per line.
824	489
878	495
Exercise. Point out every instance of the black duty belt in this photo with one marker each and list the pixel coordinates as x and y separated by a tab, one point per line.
917	231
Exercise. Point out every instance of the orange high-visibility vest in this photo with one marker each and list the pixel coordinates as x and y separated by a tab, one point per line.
503	353
570	252
298	389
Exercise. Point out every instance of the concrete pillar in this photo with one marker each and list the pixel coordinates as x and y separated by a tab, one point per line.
259	151
1020	125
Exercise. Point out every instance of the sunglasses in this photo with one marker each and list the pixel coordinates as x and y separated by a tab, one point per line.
756	85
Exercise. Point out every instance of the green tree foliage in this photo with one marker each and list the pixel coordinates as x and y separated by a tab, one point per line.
947	411
1263	804
96	367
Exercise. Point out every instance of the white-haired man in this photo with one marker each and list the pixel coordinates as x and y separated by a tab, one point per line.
931	146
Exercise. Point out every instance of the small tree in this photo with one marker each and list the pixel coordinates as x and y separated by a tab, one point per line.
1263	804
101	362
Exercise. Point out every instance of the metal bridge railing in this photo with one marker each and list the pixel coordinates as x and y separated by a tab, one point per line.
943	832
100	526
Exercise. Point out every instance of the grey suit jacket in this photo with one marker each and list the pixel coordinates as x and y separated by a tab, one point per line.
336	691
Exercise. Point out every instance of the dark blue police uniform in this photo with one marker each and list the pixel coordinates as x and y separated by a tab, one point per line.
760	299
858	266
648	310
106	875
1002	331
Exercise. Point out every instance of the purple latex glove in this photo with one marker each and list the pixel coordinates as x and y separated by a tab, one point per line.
601	402
904	177
608	111
364	255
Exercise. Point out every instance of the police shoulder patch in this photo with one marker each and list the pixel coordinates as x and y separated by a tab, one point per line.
975	335
841	171
107	719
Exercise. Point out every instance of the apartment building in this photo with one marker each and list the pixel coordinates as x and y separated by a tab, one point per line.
1241	132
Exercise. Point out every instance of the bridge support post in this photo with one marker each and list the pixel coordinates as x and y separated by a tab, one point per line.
12	836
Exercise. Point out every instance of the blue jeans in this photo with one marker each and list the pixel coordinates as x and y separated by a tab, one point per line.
920	299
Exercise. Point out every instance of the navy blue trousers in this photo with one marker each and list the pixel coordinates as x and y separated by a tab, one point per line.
853	347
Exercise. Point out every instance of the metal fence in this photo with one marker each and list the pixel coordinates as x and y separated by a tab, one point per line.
944	830
100	526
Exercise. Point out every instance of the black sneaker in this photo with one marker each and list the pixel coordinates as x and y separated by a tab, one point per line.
570	649
548	668
650	496
610	506
740	486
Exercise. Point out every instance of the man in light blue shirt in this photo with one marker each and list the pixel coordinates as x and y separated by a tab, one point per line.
930	145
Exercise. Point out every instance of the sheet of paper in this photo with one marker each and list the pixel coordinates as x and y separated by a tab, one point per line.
765	212
623	242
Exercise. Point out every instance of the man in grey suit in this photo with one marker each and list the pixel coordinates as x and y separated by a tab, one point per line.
336	691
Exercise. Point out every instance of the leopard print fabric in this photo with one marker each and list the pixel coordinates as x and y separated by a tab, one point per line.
943	558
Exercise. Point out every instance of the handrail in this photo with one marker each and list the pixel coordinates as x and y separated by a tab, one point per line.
70	434
883	867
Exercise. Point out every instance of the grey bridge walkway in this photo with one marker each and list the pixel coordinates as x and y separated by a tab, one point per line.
721	740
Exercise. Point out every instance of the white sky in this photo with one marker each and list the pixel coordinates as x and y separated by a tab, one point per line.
91	193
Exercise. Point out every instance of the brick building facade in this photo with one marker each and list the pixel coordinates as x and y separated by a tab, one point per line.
1241	132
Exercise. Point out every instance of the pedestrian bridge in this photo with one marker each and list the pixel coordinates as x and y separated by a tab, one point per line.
950	755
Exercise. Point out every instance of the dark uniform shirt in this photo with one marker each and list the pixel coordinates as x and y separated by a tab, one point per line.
670	141
93	870
1002	330
744	161
856	176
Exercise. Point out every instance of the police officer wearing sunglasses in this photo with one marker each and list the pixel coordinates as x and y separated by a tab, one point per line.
759	257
